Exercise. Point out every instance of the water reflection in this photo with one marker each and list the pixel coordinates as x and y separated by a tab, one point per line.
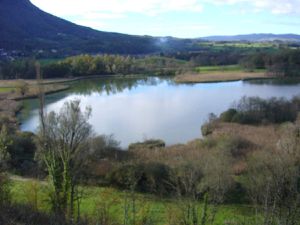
134	109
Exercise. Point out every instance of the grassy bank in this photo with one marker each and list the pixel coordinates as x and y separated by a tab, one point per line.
34	90
14	90
6	89
161	210
9	85
218	76
12	84
209	69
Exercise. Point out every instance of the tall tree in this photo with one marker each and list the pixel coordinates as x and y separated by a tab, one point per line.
63	141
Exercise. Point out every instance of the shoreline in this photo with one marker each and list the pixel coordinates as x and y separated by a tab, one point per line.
218	77
33	82
32	96
11	105
10	102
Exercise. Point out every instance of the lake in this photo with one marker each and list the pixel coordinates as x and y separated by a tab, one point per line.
134	109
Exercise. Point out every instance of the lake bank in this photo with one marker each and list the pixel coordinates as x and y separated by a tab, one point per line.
11	84
219	76
10	104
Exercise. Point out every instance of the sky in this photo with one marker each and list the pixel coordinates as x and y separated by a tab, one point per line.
180	18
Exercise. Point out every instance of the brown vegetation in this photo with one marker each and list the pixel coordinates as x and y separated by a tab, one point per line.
218	76
234	163
261	136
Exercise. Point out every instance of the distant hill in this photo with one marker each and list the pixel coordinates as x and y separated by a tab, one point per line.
255	37
25	27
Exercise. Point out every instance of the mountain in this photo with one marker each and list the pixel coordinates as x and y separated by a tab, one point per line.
255	37
25	27
27	30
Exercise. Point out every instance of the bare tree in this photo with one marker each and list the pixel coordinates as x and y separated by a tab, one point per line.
63	146
216	166
273	186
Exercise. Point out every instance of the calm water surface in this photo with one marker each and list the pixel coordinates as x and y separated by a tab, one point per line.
135	109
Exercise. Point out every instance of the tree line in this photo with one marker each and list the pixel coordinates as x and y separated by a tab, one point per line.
277	62
283	63
84	65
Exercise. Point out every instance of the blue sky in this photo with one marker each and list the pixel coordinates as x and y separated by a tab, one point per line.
180	18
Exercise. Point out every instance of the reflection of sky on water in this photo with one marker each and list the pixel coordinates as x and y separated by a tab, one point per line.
173	113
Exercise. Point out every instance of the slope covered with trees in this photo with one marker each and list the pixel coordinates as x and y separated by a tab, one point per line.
25	27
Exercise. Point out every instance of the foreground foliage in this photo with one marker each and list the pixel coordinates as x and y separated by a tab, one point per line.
224	178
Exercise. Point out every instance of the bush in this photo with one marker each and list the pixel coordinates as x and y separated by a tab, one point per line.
155	179
22	153
4	191
21	214
56	70
235	145
254	110
207	129
148	144
22	87
228	115
210	125
150	178
125	176
105	146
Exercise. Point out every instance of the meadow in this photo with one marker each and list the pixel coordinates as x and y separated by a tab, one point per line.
162	210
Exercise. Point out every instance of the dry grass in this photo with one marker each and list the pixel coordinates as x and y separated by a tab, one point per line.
31	82
9	106
33	91
14	83
218	76
264	137
259	138
171	156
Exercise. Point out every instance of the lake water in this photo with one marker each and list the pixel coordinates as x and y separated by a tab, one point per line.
135	109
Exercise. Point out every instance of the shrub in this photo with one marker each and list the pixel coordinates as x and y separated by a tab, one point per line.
56	70
151	177
22	87
210	125
207	129
4	191
228	115
105	146
148	144
22	153
125	176
235	145
254	110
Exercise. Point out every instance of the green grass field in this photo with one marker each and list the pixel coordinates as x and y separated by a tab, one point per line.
95	198
6	89
238	44
48	61
227	68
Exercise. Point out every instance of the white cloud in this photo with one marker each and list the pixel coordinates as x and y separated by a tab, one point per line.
92	23
99	16
274	6
149	7
109	9
181	30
